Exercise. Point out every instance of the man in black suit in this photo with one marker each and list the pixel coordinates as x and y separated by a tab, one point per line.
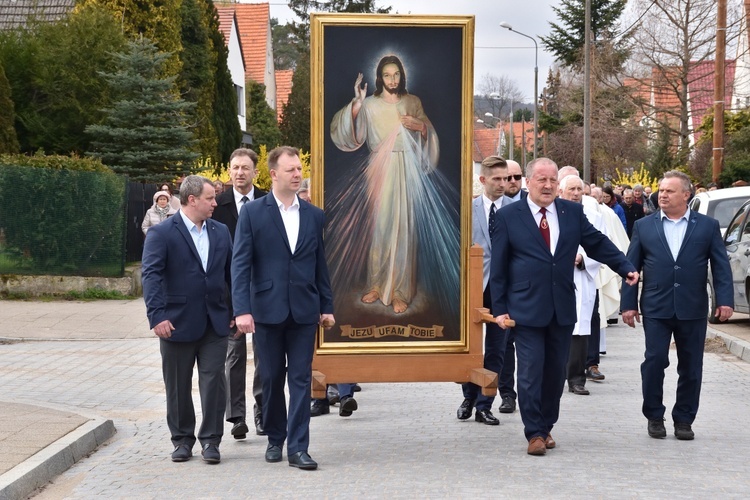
186	271
534	246
281	291
674	247
242	171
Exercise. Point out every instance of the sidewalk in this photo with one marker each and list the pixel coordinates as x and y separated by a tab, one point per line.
96	366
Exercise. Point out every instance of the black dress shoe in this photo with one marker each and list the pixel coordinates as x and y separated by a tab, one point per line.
356	388
656	429
303	461
348	406
579	389
464	411
486	417
319	407
181	453
211	453
259	424
683	432
273	453
239	430
508	405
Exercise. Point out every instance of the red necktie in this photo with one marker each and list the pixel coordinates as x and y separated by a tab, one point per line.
544	226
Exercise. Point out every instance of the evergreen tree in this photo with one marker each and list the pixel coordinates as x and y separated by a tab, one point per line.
566	41
196	79
225	105
145	134
261	118
53	70
8	139
295	117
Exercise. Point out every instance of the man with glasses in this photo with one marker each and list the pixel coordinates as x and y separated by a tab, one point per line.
493	176
515	181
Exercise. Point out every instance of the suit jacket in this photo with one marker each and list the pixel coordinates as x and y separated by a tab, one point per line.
678	287
270	281
175	286
480	233
226	209
528	282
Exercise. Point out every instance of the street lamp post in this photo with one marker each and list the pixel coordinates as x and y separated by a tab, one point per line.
509	27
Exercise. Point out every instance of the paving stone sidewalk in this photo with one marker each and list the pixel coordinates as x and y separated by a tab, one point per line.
404	442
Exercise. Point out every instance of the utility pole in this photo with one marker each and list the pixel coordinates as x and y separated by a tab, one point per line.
721	50
587	98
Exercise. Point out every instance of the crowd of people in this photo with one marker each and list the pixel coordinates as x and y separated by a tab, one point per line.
561	257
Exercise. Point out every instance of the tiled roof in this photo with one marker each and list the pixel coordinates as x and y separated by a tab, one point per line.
486	139
253	22
226	16
701	89
14	13
283	89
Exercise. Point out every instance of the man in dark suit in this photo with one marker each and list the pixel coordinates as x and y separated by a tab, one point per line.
186	271
242	171
493	176
674	246
531	277
633	211
506	381
281	290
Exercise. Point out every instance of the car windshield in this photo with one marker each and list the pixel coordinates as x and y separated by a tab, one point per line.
724	210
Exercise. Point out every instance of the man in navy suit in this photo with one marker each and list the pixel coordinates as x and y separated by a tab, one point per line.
533	255
506	381
186	272
228	204
281	291
674	246
493	176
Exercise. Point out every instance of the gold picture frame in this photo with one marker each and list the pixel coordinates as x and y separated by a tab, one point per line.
406	235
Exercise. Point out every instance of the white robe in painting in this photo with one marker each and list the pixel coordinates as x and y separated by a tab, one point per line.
398	161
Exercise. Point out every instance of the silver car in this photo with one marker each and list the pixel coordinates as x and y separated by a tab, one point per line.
737	243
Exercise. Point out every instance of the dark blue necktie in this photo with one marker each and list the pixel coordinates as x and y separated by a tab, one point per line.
491	221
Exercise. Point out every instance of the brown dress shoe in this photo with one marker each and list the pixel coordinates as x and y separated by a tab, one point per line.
550	443
537	446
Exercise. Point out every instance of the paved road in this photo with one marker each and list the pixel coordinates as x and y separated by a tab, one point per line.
404	442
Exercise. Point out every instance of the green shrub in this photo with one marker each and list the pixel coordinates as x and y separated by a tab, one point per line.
61	215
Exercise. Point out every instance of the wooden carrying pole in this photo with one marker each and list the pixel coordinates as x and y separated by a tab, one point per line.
332	368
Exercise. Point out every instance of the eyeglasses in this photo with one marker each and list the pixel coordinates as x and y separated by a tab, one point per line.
516	177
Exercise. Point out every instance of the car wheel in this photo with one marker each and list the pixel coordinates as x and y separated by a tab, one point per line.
711	304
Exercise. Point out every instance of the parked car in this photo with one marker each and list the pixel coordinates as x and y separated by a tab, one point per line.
721	204
737	243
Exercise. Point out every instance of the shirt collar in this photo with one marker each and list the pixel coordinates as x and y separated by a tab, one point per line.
488	202
188	223
280	204
238	196
685	216
535	208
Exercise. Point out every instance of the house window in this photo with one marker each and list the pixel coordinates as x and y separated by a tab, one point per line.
240	100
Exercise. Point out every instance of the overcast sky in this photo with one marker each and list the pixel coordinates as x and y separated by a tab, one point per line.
497	50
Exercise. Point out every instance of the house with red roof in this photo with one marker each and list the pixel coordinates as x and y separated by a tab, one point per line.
235	61
283	89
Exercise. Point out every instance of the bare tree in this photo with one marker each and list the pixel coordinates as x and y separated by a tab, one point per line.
496	95
673	38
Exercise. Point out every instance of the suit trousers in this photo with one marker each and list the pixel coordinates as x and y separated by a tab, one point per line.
507	379
576	369
236	373
178	360
689	339
596	336
495	339
287	352
542	354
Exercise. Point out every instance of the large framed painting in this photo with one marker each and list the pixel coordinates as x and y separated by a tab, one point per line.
392	107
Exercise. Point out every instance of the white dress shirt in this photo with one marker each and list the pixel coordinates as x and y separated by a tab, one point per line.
200	238
290	218
238	198
552	220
